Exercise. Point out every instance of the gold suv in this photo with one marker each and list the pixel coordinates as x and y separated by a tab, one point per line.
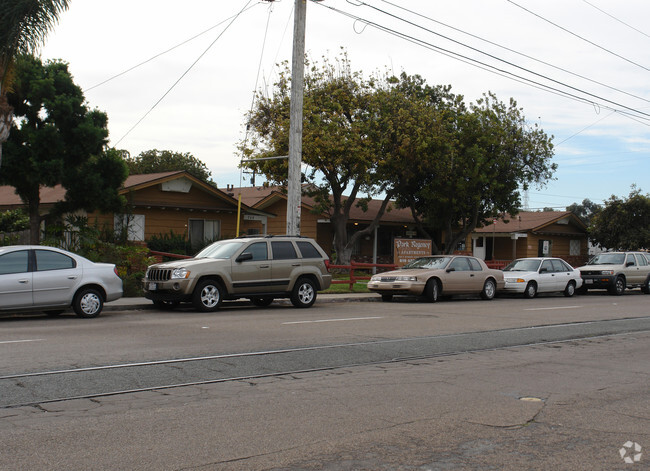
258	268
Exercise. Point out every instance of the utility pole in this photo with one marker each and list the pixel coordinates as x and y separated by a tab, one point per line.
295	125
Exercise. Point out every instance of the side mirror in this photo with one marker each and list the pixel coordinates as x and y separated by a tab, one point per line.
449	270
245	256
629	264
543	270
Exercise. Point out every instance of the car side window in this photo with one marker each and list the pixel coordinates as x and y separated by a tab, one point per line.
558	266
47	260
283	250
307	250
641	260
259	250
459	264
546	267
630	260
14	262
476	266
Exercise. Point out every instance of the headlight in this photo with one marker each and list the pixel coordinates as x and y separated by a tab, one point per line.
180	274
515	280
406	278
375	279
607	272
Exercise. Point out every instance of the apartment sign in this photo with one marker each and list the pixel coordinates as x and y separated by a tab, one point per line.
406	250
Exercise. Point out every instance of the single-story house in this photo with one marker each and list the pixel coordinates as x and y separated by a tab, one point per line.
533	234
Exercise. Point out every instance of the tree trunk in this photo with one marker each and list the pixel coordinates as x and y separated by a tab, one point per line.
6	117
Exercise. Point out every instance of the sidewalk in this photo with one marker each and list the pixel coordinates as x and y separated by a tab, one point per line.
144	303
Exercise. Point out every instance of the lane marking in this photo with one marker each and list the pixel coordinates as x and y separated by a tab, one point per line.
21	341
332	320
552	308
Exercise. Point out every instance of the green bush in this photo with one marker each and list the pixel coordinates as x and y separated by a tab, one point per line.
170	243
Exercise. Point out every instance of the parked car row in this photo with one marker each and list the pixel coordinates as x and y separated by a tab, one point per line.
265	268
437	275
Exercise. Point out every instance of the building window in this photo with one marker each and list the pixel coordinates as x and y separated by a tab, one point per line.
203	231
574	247
133	224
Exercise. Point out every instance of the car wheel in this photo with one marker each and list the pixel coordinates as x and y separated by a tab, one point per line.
262	302
489	290
570	289
207	296
619	286
531	290
386	298
646	286
304	293
88	303
432	290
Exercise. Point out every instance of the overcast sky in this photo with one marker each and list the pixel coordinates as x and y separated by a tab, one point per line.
196	95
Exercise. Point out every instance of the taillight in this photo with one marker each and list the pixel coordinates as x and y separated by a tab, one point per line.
327	264
115	270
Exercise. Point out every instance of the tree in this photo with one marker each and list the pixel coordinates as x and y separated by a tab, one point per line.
152	161
585	211
484	153
623	224
58	140
354	135
23	27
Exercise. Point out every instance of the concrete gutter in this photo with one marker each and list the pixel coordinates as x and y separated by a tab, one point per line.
123	304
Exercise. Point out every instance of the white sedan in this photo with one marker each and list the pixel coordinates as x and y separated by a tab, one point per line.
529	276
39	278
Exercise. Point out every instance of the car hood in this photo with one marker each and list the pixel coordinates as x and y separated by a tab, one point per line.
187	262
518	274
411	272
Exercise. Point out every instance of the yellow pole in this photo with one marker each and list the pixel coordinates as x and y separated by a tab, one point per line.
238	214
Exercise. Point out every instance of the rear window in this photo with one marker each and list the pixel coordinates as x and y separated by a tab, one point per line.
307	250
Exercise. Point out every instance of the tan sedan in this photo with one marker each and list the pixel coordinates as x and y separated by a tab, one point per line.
439	275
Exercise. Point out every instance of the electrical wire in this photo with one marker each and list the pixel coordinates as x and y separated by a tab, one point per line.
616	19
579	37
184	74
494	69
517	52
501	60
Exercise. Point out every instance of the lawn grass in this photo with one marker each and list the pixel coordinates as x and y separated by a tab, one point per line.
358	287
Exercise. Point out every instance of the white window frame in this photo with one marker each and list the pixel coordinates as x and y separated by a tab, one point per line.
135	225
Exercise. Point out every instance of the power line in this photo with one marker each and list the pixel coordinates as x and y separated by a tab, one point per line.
184	73
616	19
492	68
580	37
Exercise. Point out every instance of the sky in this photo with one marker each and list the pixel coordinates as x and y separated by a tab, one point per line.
181	76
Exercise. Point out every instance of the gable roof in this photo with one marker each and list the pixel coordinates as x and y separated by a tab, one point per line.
530	221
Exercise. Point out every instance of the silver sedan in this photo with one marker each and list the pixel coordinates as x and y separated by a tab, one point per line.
39	278
529	276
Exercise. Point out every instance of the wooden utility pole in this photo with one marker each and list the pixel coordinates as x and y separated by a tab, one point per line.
295	125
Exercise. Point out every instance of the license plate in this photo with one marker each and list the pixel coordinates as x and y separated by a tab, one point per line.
589	282
152	286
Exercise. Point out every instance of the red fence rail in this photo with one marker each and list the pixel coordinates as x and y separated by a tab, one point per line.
358	266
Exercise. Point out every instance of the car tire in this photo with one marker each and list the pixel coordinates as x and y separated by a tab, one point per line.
303	293
646	286
432	290
88	303
262	301
386	298
619	286
531	290
489	289
570	289
207	296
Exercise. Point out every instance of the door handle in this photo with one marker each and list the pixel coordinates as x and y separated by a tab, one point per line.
264	266
72	277
23	281
295	264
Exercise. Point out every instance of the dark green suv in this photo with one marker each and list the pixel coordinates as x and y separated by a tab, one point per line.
258	268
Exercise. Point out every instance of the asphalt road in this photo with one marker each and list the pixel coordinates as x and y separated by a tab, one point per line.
462	384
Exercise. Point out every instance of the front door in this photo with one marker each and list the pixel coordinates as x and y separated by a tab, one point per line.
253	275
15	280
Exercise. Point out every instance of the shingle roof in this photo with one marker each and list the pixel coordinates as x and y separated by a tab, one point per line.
527	221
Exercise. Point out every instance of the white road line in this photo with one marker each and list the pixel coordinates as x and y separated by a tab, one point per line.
552	308
332	320
21	341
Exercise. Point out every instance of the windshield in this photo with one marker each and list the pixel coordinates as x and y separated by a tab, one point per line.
223	249
428	262
523	265
608	259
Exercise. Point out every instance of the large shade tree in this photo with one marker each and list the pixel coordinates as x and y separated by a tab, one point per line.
357	133
56	139
154	160
623	223
24	24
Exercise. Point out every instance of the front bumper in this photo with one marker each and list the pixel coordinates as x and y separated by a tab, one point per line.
514	287
412	288
172	290
598	281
